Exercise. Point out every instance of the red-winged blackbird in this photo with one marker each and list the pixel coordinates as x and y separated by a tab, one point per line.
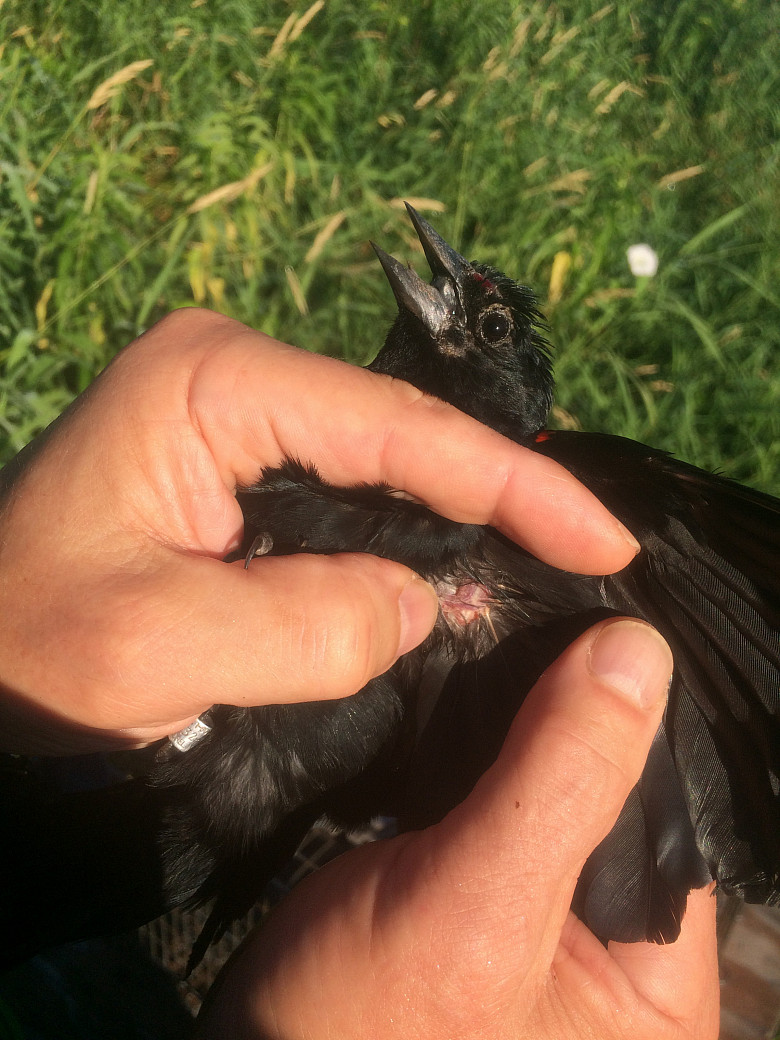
221	818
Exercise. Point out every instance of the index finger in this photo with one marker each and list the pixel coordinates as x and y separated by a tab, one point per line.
361	426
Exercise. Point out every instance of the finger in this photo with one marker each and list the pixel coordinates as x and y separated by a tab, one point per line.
680	979
468	473
288	629
365	427
573	754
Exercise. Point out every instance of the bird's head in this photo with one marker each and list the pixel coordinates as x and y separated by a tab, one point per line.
471	337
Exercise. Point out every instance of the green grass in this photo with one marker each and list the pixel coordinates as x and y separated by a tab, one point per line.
534	131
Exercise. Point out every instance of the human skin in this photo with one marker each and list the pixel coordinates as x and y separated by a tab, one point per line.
463	931
122	623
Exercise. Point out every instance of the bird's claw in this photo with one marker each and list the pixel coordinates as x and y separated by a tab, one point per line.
261	546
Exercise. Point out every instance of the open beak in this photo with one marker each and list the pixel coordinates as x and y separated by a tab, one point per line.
437	304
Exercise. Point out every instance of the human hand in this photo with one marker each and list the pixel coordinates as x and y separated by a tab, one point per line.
122	623
463	931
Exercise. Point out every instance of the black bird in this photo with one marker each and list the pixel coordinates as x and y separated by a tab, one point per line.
218	820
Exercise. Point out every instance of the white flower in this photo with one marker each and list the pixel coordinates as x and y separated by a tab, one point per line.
642	259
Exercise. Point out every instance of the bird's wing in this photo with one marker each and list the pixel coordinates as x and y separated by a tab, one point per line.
709	579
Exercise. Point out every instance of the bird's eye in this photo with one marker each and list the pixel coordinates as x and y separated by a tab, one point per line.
494	326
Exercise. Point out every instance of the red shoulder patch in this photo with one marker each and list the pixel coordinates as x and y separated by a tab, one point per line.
484	282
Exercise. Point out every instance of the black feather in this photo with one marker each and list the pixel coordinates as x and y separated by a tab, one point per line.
219	820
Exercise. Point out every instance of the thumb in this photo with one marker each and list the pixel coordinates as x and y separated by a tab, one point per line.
574	752
287	629
328	624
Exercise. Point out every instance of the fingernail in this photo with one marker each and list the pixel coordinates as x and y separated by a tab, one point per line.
628	537
418	605
632	658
